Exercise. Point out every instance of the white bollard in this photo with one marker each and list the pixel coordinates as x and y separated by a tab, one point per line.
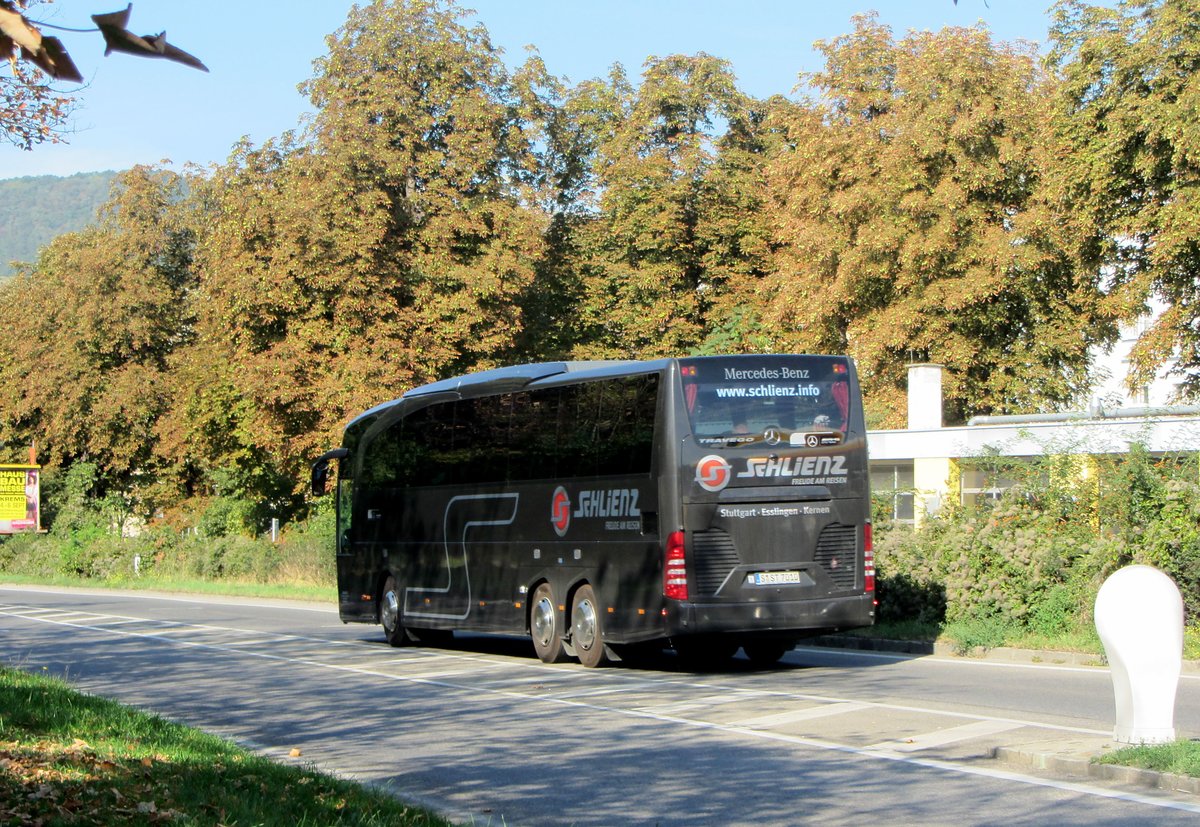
1139	615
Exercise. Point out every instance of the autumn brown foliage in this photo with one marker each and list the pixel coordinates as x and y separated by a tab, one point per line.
446	210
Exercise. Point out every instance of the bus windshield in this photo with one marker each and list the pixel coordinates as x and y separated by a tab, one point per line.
797	400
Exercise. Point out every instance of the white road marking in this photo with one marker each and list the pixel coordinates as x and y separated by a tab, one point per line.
728	697
952	735
798	715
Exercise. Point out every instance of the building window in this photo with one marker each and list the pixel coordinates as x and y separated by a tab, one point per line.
980	486
894	481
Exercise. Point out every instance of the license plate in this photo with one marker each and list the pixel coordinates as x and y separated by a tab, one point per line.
775	578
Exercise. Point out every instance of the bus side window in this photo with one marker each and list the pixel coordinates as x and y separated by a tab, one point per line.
483	422
625	425
533	435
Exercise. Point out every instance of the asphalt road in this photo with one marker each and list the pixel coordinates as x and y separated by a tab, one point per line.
487	734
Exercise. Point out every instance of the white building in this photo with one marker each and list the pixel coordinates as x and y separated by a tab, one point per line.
921	462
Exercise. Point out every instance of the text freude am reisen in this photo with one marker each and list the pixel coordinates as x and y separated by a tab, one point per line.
772	511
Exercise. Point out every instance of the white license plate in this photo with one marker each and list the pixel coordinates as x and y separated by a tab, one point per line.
775	578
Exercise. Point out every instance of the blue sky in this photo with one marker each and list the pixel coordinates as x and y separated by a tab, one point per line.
133	110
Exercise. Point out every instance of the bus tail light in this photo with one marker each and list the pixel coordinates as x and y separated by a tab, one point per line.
675	585
868	560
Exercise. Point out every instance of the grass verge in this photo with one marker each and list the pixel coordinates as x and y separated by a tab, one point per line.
71	758
1179	757
228	587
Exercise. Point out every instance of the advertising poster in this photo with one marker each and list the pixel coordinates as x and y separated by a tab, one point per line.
20	498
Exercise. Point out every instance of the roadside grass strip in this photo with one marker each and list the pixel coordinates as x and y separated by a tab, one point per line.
71	758
1178	757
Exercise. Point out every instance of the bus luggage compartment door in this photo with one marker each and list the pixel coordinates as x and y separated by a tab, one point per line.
750	549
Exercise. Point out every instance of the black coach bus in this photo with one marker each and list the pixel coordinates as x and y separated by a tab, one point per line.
702	504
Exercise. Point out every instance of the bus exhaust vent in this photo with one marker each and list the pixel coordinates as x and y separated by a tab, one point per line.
837	553
713	557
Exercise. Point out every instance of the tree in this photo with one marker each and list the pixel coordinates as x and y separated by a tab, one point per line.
657	252
910	224
389	245
91	331
31	112
1128	117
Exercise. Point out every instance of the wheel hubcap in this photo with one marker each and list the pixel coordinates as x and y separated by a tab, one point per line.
543	621
585	625
390	610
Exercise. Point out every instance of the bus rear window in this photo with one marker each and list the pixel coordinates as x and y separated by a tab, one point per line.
803	400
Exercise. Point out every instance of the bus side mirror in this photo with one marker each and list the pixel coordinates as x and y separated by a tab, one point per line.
320	469
320	477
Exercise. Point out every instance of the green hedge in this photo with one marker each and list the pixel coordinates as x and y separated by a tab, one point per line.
88	547
1032	561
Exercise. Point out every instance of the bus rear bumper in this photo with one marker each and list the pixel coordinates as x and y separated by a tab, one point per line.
793	618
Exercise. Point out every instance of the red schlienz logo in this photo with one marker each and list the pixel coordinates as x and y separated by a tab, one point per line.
560	511
713	472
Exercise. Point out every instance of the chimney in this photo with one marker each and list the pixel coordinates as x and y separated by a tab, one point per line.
924	397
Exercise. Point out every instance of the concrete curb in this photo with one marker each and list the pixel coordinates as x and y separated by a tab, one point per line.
1082	766
946	650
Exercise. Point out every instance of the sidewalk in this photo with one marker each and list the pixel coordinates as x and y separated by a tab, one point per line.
1067	756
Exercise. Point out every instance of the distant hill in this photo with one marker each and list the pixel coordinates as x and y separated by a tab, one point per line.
35	210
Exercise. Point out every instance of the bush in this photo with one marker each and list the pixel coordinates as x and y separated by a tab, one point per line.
86	547
1032	562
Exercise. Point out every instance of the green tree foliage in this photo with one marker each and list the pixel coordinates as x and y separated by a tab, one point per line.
444	211
91	332
909	224
663	242
1129	120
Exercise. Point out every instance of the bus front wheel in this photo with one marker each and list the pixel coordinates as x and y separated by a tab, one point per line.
543	626
586	628
391	614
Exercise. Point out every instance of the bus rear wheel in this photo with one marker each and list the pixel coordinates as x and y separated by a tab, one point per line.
391	615
543	626
587	634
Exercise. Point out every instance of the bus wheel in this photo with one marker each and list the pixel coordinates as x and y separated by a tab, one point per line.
390	614
586	631
543	626
766	652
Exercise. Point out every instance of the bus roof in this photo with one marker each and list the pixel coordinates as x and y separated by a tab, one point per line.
506	379
517	377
